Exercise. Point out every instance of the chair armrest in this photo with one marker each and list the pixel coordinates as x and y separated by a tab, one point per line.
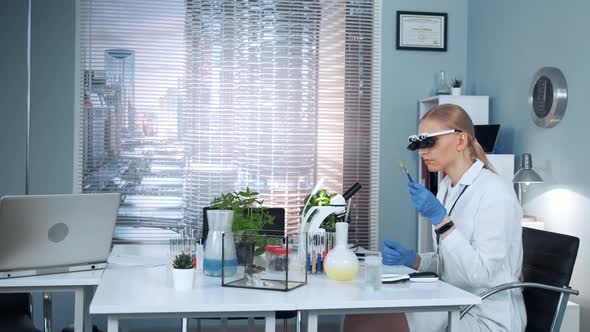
519	284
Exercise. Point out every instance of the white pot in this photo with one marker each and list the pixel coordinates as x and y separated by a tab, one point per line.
183	278
455	91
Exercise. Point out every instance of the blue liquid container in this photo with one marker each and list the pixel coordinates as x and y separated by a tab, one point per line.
212	267
220	244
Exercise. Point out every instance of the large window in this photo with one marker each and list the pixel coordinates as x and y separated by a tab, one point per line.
182	100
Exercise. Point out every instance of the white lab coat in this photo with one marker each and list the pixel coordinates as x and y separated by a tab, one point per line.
484	250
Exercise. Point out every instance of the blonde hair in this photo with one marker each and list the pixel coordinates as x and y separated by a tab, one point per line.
455	117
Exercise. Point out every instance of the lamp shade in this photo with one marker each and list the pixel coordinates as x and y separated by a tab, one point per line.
526	173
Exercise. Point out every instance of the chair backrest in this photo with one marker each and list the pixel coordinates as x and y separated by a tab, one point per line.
548	258
277	227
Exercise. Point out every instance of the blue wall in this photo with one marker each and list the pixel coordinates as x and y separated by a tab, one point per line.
53	61
52	96
13	87
508	42
408	76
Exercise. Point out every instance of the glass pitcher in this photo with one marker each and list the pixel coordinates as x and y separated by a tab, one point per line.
220	222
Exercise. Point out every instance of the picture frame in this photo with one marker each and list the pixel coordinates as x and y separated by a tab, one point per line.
421	31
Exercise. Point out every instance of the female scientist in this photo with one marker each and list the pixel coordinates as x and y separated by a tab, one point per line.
477	231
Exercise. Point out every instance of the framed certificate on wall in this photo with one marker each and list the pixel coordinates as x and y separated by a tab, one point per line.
422	31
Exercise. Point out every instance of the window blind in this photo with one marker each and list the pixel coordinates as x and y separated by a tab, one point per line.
182	100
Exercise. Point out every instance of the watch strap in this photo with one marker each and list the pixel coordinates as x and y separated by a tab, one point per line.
444	228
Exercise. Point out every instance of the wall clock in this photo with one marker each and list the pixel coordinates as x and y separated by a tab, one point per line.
547	97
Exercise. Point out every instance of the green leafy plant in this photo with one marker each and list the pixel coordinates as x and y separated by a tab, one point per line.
322	198
183	261
455	83
249	216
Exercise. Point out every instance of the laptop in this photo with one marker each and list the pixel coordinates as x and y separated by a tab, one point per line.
45	234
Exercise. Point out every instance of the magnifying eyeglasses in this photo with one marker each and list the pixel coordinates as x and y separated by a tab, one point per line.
427	140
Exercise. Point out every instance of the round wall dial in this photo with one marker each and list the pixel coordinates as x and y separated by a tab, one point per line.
548	97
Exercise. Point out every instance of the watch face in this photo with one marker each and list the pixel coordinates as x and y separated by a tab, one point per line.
547	97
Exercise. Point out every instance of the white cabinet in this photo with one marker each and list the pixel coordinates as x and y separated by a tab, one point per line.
504	165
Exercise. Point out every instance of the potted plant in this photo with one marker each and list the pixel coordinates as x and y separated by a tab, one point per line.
249	219
322	198
456	87
183	271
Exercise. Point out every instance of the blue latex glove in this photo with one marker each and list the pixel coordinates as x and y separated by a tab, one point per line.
426	203
395	254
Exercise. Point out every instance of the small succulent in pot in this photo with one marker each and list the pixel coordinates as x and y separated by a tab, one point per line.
183	272
183	261
456	83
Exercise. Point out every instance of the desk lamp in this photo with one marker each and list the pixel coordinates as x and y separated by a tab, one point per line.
525	175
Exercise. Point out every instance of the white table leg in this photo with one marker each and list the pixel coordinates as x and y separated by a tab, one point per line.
112	324
312	322
453	321
184	324
79	312
270	323
298	323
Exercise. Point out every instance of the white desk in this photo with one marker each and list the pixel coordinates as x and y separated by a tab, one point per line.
130	291
81	283
324	296
138	284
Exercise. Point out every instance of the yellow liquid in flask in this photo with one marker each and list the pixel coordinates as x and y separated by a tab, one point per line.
341	274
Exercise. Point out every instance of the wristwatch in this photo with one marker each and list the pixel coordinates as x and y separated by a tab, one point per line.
440	231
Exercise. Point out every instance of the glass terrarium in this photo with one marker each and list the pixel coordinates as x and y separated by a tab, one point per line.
270	261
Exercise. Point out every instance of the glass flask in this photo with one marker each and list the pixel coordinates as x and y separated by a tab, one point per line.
341	263
442	87
220	223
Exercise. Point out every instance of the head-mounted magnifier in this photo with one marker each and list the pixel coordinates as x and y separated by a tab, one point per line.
427	140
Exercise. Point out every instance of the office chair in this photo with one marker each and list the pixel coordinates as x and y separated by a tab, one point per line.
271	229
16	313
547	266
